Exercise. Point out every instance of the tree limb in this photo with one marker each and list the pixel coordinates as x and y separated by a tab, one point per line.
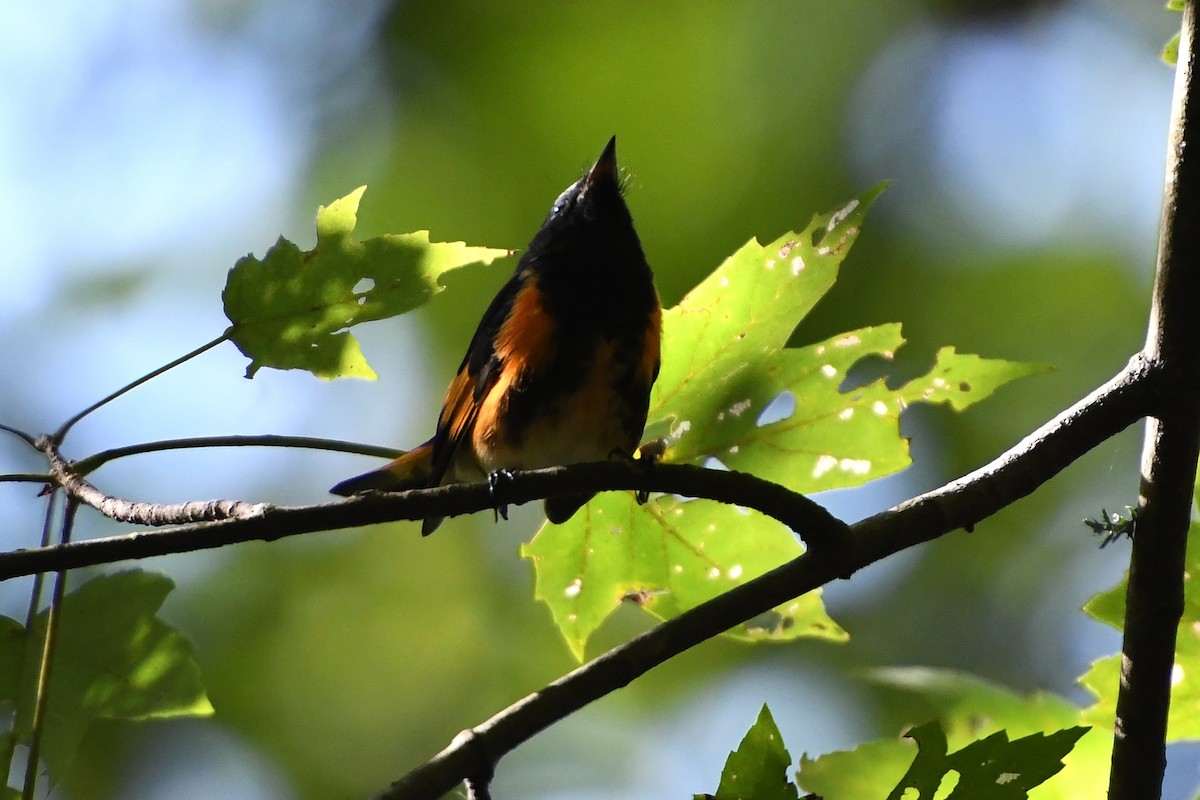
136	511
268	523
1155	594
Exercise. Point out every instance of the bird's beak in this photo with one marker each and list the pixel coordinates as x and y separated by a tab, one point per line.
605	167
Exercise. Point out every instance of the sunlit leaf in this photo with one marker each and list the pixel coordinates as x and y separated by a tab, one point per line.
1170	51
730	391
666	556
114	659
292	308
970	708
758	769
992	768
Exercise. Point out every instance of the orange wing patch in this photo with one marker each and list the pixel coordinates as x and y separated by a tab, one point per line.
527	341
456	410
528	338
457	420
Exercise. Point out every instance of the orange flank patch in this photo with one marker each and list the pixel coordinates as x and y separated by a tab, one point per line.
652	350
528	338
576	427
487	434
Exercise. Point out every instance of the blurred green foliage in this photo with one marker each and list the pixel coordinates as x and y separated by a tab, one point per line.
346	658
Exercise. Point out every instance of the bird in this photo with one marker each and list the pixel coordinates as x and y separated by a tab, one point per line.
560	368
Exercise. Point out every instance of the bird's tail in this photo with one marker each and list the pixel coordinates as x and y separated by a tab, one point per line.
410	471
561	509
413	470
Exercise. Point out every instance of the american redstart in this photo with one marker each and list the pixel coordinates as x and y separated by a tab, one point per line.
560	368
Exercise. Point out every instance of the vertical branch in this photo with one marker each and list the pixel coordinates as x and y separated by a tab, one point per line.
43	680
1154	600
35	601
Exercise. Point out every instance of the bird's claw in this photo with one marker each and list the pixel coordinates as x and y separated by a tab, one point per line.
648	455
497	482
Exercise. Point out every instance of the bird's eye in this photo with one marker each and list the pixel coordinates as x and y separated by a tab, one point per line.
563	201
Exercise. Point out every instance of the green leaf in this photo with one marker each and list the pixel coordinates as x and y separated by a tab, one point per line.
114	660
758	769
666	556
868	771
724	365
1103	677
1170	51
12	649
723	356
968	709
291	309
992	768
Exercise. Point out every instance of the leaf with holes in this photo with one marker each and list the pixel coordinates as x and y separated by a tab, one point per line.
725	368
968	709
992	768
292	308
726	373
667	556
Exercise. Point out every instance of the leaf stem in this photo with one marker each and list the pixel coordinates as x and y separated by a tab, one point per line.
61	433
85	466
42	695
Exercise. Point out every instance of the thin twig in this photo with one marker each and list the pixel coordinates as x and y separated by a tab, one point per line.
1154	600
28	438
61	433
42	695
86	466
25	477
35	603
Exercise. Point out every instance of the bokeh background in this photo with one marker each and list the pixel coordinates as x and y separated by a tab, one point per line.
146	145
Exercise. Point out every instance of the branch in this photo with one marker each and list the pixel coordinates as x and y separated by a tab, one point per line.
268	523
69	477
25	477
960	504
138	512
29	439
46	663
1154	598
8	744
